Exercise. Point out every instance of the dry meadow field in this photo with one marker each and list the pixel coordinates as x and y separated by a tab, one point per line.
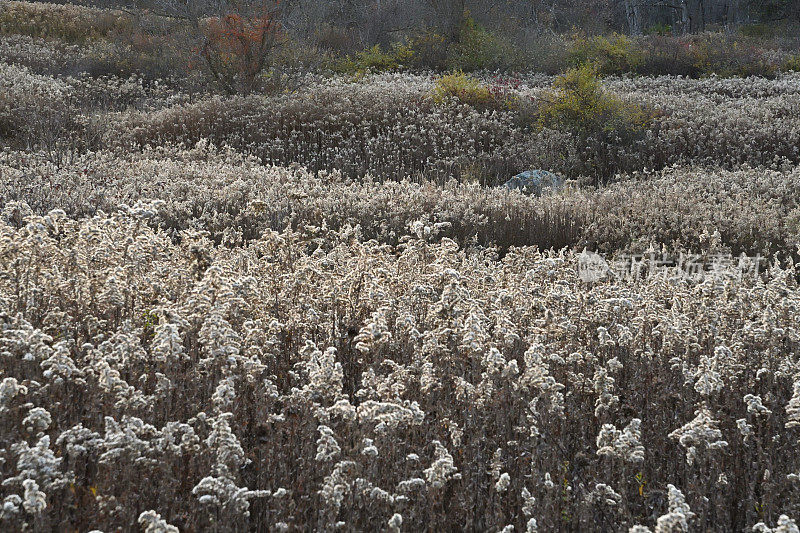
313	306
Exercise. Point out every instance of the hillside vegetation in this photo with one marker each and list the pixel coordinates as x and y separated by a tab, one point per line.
297	296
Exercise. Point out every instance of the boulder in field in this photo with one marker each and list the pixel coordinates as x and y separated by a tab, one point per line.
535	182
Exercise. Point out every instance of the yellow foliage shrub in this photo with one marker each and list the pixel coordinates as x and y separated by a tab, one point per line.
580	105
463	88
614	54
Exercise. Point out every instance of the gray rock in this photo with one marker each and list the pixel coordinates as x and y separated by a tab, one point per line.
535	182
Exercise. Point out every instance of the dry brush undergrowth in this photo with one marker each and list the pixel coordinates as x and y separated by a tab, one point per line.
388	126
235	198
312	380
192	336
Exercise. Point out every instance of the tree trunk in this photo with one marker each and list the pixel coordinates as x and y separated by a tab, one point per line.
732	14
450	15
702	8
633	16
686	17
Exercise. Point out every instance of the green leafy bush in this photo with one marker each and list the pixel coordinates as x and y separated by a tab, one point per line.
474	48
580	105
430	50
727	57
600	121
464	88
478	48
792	63
546	53
659	29
668	55
375	59
660	53
757	31
614	54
